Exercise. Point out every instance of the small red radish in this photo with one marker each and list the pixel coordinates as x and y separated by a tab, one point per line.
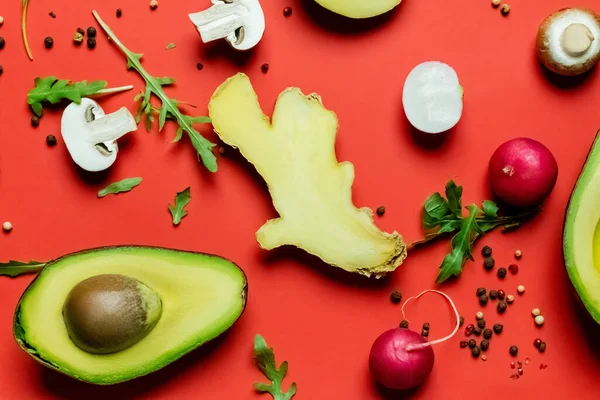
401	358
523	172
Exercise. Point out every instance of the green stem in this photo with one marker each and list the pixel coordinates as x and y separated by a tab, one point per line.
16	268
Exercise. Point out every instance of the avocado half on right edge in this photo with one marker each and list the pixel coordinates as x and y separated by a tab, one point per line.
112	314
581	236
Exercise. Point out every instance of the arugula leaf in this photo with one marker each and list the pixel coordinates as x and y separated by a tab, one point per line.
454	195
170	46
16	268
434	209
490	209
118	187
169	107
177	210
265	360
54	90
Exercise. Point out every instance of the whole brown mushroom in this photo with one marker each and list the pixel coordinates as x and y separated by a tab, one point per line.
568	41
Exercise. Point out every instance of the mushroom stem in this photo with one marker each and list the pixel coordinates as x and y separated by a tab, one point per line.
576	39
110	127
219	21
107	91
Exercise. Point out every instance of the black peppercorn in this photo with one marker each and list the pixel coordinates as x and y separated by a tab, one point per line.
477	331
469	329
91	32
463	344
1	69
502	307
501	273
514	350
2	43
488	263
404	324
487	333
424	333
493	294
472	343
501	294
483	300
498	328
380	211
199	66
52	14
396	297
461	321
481	323
51	140
426	326
35	120
91	43
486	251
537	343
81	31
119	12
475	351
287	11
264	68
480	291
48	42
485	344
542	347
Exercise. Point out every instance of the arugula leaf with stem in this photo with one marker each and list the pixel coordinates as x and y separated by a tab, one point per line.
169	107
24	28
177	210
442	216
16	268
265	360
119	187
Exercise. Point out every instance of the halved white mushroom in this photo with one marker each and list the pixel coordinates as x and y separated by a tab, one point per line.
91	136
568	41
240	22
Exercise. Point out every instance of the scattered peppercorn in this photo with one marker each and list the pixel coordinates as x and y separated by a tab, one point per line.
498	328
91	43
514	350
505	9
91	31
495	3
543	366
119	13
1	69
463	344
199	66
501	307
481	323
537	343
539	320
479	315
518	254
7	226
396	297
513	365
424	333
1	21
380	211
475	351
501	294
51	140
485	344
2	42
426	326
510	299
472	343
52	14
404	324
483	357
153	5
501	273
487	333
488	263
527	361
520	371
35	121
81	31
48	42
287	11
480	291
513	269
542	347
477	331
461	321
486	251
520	289
264	68
535	312
469	329
77	38
483	300
493	294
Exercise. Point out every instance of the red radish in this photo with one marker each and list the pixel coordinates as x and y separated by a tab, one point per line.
401	358
523	172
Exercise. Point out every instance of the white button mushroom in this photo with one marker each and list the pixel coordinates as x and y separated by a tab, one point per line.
240	22
91	136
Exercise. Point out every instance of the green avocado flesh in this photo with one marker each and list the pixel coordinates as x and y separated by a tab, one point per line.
581	243
200	296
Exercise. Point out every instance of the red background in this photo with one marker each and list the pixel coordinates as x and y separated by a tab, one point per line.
321	321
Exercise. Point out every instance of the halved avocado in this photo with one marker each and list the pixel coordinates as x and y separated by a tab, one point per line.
176	300
581	240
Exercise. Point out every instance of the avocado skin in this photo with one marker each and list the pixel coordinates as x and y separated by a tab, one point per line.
576	285
19	332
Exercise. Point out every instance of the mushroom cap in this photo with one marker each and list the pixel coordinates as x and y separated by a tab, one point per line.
253	30
549	41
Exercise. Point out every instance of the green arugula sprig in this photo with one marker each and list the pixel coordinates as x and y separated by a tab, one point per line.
119	187
177	210
169	108
441	216
16	268
265	360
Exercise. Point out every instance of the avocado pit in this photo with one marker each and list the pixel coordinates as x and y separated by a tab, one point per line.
109	313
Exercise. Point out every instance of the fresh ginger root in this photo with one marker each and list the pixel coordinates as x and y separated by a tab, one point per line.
311	191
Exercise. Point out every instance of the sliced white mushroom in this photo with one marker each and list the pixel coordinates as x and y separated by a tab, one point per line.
91	135
240	22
